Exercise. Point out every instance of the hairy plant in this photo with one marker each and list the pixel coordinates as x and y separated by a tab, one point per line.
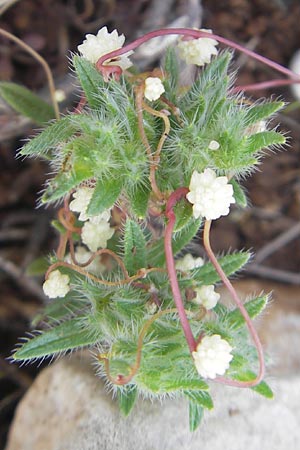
141	167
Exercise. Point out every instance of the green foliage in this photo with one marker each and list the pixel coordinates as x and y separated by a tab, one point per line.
195	415
254	307
26	102
134	247
67	336
126	399
131	319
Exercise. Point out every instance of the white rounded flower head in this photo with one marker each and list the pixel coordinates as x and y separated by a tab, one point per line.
210	195
206	296
188	262
212	356
197	51
153	88
96	235
82	255
82	198
57	285
93	47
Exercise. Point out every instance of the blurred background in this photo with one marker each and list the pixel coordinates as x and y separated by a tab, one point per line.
54	28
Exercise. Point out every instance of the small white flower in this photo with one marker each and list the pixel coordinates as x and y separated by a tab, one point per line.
82	255
206	296
212	356
214	145
96	235
197	51
82	198
188	262
153	88
210	195
102	217
57	284
93	47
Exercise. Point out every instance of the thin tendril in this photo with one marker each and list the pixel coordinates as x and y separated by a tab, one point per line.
235	297
43	63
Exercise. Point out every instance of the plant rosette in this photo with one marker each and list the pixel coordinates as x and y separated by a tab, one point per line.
139	165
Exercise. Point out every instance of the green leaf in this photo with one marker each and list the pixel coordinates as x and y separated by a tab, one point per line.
156	253
259	112
139	198
26	102
239	194
229	263
183	211
202	398
134	247
67	180
56	133
254	307
67	336
105	194
195	415
126	399
264	139
91	80
171	69
262	388
172	384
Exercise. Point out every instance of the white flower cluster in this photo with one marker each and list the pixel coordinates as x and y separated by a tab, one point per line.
212	356
93	47
197	51
82	255
57	284
153	88
188	262
206	296
96	230
210	195
82	198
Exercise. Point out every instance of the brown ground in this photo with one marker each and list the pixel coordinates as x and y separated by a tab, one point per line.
53	27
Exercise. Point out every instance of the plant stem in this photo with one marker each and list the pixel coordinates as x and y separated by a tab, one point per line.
173	199
249	323
43	63
194	34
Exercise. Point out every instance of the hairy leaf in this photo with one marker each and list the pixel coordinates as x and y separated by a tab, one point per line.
67	336
195	415
202	398
264	139
55	134
254	307
105	194
261	111
134	247
126	399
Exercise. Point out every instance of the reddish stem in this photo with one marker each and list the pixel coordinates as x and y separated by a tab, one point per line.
244	313
194	34
173	199
263	85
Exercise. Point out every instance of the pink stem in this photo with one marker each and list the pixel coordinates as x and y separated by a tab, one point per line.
173	199
194	34
263	85
244	313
